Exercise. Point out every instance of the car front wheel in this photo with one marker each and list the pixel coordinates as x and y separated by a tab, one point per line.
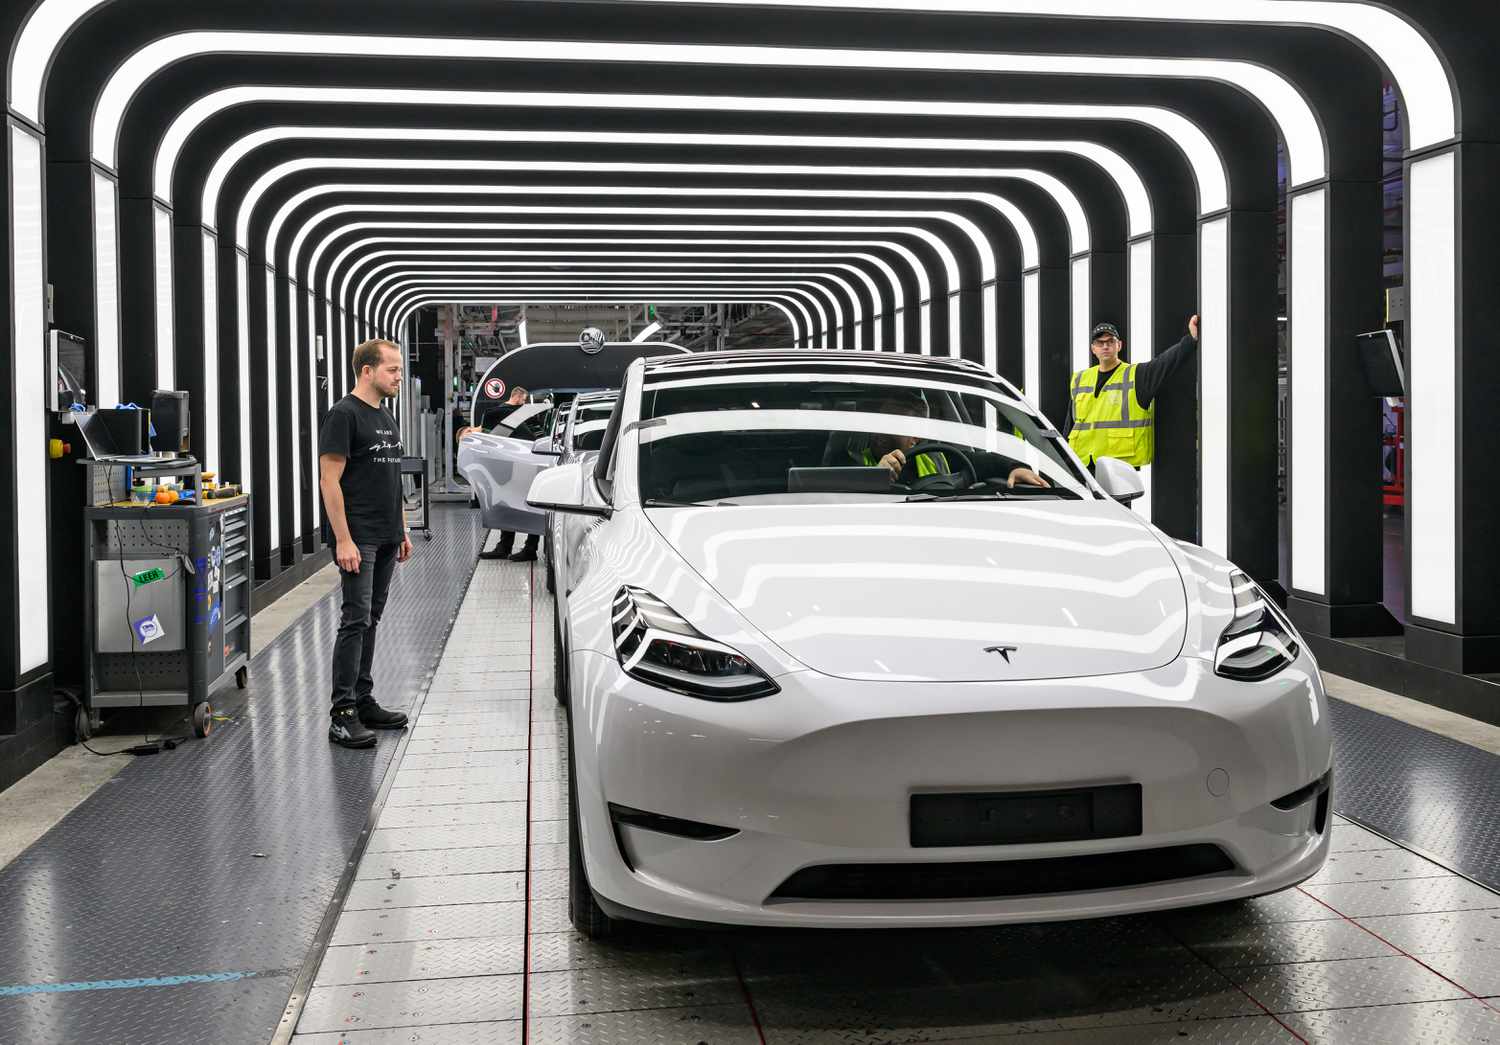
583	909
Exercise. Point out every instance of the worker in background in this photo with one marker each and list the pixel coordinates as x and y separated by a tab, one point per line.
889	451
359	465
1112	405
507	541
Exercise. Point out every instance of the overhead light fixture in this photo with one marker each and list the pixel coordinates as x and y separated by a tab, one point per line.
1127	180
28	330
1431	321
1307	442
106	292
1296	124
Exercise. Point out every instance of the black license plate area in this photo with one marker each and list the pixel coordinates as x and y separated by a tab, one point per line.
1021	817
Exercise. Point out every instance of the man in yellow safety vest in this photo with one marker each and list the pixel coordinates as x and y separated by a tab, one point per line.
1112	406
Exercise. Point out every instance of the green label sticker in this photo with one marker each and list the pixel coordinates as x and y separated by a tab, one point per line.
155	573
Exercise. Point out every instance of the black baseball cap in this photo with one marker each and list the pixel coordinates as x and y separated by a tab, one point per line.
1100	329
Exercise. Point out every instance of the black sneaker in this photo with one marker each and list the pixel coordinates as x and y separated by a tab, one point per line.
499	551
347	730
526	554
377	717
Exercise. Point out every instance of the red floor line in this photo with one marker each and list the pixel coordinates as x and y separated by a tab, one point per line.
749	1001
1398	950
1237	986
530	745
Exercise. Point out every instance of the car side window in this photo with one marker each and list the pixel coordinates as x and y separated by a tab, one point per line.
604	468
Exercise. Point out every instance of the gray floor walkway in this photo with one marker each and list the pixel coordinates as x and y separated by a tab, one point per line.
178	903
456	929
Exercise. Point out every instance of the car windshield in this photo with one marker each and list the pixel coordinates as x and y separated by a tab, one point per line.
589	423
525	423
866	436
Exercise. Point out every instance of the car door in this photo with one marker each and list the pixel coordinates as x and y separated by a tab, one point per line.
500	465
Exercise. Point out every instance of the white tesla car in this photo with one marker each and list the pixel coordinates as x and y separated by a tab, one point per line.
577	435
833	658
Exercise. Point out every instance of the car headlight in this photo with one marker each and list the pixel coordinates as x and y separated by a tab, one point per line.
658	647
1259	641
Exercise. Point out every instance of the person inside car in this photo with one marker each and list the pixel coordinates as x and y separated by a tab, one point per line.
890	451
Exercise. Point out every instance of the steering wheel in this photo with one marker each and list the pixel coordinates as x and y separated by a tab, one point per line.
949	480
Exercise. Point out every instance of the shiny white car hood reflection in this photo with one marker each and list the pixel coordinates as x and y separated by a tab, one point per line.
937	592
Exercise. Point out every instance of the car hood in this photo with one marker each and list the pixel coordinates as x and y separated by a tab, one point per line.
943	592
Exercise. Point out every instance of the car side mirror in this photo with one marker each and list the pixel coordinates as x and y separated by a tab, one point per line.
568	488
1118	479
544	447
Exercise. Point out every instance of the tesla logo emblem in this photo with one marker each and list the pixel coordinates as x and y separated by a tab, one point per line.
1004	651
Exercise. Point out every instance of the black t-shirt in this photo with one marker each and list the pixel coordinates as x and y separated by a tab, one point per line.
365	436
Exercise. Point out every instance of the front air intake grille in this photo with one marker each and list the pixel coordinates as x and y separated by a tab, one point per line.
988	880
1293	799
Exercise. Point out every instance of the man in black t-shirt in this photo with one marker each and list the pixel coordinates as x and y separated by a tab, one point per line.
359	460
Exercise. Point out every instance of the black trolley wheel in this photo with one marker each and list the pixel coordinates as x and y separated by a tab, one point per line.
203	718
242	676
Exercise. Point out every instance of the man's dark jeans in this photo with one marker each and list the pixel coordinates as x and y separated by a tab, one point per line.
364	601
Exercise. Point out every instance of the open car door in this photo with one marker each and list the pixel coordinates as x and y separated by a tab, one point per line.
500	464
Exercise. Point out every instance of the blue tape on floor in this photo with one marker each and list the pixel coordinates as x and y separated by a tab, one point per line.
116	985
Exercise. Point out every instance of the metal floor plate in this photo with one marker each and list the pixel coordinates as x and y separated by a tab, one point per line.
181	898
454	928
1380	926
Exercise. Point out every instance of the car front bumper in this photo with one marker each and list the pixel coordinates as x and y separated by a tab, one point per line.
822	774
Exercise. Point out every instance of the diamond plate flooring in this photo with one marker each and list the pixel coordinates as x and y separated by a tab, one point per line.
456	928
178	902
146	916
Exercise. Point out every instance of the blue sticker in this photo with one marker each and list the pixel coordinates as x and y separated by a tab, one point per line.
149	629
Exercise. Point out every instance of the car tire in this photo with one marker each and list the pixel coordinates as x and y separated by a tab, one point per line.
559	664
583	909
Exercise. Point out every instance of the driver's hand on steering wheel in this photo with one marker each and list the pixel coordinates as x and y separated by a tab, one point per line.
1026	477
894	461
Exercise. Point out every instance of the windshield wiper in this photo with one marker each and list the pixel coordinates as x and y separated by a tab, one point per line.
667	502
997	493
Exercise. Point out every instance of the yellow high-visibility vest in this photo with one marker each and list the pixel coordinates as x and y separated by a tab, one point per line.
925	465
1112	423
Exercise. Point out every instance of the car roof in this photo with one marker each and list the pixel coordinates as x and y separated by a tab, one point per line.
803	356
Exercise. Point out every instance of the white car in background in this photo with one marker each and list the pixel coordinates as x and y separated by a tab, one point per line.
501	461
806	691
577	435
516	443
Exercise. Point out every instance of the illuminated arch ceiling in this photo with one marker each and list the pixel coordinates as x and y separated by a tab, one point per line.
1305	164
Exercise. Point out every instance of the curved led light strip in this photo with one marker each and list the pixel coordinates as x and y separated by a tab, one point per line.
1197	149
1299	129
827	328
897	293
373	281
918	270
780	306
841	230
1428	97
443	293
792	306
989	331
983	249
381	295
1132	189
1064	197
